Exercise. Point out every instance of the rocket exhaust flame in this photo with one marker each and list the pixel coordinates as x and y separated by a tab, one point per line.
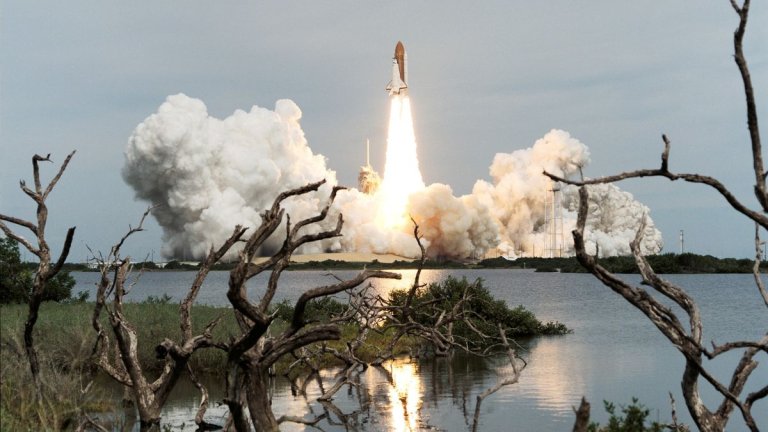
401	170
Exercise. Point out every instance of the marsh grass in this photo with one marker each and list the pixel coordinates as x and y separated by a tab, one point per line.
65	334
64	338
63	395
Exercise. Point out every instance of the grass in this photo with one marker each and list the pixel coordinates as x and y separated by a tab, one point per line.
64	339
62	399
64	331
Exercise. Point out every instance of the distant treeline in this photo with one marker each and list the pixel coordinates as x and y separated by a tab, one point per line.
666	264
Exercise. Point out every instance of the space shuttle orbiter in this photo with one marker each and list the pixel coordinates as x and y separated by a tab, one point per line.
399	72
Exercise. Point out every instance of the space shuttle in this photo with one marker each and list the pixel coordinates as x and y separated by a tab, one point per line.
399	72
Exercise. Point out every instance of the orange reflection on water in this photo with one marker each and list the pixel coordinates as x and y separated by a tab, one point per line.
384	286
404	396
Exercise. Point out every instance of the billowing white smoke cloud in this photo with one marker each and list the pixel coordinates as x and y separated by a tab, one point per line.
519	192
614	217
456	227
206	175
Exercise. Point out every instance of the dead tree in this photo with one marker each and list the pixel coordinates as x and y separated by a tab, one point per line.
684	331
45	271
251	354
122	363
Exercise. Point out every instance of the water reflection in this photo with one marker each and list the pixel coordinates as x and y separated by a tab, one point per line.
404	396
553	382
384	286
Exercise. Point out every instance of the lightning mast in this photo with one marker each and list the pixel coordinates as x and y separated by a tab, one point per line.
553	219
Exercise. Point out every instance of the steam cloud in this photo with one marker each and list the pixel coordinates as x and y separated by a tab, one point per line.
206	175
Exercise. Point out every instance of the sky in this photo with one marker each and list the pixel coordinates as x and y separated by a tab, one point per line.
484	78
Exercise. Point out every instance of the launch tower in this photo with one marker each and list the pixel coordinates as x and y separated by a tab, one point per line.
368	180
553	217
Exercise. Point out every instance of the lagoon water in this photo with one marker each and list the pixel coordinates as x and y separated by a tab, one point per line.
614	353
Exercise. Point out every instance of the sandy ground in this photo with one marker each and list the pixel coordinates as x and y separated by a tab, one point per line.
348	257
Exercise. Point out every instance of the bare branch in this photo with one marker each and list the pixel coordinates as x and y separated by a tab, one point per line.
301	420
298	315
663	172
115	252
321	216
749	96
55	180
756	267
415	286
582	416
36	174
21	222
213	257
21	240
664	155
64	254
512	379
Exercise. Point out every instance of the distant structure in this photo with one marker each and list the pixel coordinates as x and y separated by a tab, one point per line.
553	219
682	242
368	180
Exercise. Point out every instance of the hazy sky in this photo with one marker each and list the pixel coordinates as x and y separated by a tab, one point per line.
484	78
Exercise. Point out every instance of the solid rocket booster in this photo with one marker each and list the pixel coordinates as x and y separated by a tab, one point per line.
399	71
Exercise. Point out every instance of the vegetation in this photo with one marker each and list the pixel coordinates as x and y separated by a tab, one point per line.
66	342
16	277
666	264
58	404
486	312
631	419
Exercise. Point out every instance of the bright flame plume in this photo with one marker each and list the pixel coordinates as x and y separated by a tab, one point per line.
401	170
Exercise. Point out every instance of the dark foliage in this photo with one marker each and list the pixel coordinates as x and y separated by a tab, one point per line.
485	312
177	265
663	264
319	309
16	278
631	419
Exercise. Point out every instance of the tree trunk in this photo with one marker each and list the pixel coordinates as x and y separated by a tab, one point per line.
703	419
29	328
259	403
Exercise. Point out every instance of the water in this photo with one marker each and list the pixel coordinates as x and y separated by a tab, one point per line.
614	354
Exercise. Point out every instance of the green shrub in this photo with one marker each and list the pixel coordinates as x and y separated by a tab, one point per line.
631	419
164	299
16	277
485	312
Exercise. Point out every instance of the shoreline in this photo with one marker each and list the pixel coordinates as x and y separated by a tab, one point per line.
347	257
